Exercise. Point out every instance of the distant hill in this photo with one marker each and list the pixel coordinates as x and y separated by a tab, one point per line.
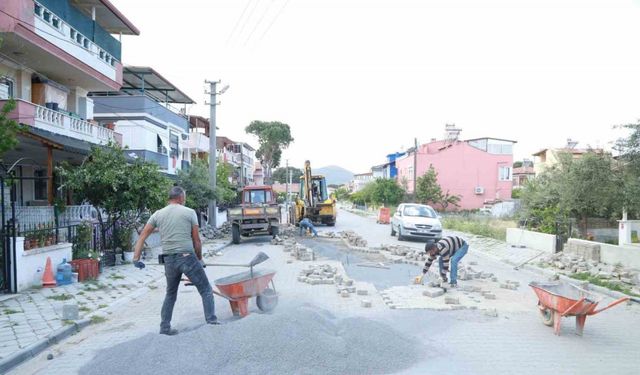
335	175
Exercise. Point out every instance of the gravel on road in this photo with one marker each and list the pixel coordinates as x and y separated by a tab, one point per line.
301	340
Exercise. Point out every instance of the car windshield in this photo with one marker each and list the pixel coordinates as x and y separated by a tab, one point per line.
420	211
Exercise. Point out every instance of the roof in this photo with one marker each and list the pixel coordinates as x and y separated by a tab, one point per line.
223	141
256	187
495	139
574	151
523	170
154	85
107	16
364	174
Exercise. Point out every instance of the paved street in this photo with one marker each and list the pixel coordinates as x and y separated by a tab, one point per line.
468	341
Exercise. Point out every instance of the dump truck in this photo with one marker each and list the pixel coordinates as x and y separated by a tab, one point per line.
258	214
313	201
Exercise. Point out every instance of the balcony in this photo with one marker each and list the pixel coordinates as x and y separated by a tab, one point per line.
122	106
56	122
160	159
197	142
60	32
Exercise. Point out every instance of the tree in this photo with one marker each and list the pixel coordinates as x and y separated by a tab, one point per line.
197	183
386	192
281	175
628	167
450	199
9	129
427	188
273	137
342	194
122	191
225	192
517	164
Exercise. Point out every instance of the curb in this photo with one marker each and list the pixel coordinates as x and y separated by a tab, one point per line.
41	345
565	278
34	349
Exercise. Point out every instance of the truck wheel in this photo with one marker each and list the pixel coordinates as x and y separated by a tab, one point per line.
331	223
235	234
275	231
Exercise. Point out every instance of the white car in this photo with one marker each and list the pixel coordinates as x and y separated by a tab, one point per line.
416	221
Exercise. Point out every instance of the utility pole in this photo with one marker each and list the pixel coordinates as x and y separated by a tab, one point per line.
213	157
415	167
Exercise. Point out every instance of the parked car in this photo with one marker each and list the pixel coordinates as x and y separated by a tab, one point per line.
416	221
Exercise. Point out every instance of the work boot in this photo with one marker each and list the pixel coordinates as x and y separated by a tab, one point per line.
170	332
215	323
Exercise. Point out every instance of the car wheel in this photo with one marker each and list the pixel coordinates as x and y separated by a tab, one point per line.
400	236
393	231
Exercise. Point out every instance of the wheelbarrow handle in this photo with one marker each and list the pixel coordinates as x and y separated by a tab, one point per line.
574	305
616	302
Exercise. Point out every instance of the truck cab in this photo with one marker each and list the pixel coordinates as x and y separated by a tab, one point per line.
258	213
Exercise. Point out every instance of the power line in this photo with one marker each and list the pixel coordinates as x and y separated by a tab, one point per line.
238	21
266	10
274	20
246	21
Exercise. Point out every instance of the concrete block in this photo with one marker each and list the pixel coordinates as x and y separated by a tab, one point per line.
492	313
451	300
70	311
490	296
365	303
433	292
362	292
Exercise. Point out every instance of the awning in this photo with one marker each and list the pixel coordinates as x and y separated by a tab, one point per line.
136	79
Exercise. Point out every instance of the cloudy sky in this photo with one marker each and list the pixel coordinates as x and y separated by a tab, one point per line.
357	79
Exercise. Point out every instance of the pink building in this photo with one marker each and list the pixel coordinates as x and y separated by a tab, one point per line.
479	170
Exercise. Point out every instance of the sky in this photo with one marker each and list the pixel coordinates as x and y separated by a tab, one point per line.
359	79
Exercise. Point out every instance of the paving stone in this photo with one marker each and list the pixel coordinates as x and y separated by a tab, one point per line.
362	292
490	296
345	294
433	292
451	300
365	303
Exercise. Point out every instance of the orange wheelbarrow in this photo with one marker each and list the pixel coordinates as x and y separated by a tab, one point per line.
557	300
239	287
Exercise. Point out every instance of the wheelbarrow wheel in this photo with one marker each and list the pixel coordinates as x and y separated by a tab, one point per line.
547	316
267	300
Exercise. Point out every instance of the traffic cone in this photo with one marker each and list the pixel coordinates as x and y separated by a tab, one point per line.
48	281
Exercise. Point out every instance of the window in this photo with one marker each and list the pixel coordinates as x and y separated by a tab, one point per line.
173	141
6	88
40	185
504	174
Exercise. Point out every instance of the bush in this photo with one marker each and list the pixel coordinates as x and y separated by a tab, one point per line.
492	228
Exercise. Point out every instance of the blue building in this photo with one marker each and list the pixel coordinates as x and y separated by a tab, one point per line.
391	160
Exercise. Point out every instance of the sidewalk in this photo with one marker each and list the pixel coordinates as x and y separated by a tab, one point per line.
36	315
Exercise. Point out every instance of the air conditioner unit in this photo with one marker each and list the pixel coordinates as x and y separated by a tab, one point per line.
479	190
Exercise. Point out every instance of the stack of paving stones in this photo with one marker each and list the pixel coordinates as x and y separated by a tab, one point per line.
575	262
353	238
508	284
319	274
212	233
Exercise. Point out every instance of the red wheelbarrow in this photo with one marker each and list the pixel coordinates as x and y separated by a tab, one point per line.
557	300
238	288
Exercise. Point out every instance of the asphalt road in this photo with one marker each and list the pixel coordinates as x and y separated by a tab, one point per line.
452	342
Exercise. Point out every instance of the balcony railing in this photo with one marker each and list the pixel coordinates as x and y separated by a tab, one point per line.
72	34
71	126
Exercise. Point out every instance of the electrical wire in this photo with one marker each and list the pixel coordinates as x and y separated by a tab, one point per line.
274	20
266	10
235	27
246	21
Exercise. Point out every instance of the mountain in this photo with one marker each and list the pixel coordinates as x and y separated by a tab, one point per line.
335	175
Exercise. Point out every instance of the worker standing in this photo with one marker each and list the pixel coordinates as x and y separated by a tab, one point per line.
448	250
182	254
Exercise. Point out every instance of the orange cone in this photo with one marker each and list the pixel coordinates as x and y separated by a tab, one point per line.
47	278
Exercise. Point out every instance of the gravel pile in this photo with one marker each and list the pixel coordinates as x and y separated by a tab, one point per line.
303	340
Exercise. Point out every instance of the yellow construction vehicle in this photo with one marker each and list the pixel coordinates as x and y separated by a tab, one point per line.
313	201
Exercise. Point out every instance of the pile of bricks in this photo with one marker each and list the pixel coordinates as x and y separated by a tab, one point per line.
353	238
319	274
